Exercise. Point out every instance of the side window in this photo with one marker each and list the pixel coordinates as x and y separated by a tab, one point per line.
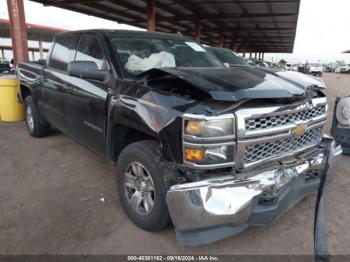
63	52
89	49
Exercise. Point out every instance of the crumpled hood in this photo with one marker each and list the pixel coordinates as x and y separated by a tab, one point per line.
241	82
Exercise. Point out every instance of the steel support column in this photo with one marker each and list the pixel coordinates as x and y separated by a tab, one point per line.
197	32
263	54
18	30
3	54
41	51
151	15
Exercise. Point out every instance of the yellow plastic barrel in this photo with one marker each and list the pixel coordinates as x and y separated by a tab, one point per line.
11	110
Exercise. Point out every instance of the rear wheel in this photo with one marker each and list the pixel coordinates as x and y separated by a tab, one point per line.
36	126
142	185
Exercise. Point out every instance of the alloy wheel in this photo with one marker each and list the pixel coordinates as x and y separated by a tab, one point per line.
139	188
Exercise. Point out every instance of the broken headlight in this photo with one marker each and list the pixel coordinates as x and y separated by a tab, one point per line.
208	142
209	127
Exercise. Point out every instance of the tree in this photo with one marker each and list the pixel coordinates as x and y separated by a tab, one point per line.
340	63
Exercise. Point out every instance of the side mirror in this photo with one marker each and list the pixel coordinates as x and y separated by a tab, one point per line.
87	70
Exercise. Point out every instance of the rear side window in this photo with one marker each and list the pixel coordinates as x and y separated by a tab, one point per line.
89	49
63	52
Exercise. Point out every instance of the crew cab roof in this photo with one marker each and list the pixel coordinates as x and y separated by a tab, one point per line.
129	33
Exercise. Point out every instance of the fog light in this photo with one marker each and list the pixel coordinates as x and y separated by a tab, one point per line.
194	154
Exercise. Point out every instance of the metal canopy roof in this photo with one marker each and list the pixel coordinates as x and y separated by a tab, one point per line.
34	32
243	25
30	49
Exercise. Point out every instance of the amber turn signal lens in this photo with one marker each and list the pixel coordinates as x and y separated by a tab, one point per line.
194	154
195	127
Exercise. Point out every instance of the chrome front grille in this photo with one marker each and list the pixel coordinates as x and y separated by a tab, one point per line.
266	150
267	134
259	123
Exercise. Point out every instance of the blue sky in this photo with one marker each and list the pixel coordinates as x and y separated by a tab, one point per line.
323	30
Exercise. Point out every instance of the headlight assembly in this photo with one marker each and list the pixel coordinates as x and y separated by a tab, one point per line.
209	127
209	155
208	142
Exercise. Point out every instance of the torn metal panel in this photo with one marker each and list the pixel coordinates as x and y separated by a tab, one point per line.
209	210
154	112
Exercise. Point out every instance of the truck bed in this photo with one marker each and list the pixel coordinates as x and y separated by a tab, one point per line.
29	73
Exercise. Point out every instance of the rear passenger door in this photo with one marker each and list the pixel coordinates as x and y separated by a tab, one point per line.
86	99
54	80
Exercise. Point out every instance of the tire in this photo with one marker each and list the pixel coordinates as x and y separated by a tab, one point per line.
143	154
35	125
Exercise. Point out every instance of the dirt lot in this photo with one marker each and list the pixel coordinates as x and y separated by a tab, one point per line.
52	192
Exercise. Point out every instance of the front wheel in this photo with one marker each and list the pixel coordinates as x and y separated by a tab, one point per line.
142	185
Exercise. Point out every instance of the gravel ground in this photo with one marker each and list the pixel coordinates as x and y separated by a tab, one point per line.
57	197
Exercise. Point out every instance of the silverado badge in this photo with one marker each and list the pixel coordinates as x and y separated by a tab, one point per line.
298	130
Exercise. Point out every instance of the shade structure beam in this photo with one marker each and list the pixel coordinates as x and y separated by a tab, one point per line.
18	30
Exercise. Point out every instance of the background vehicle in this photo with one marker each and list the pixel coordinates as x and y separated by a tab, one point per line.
302	68
249	61
329	69
230	58
5	68
341	122
315	69
227	56
212	149
343	69
260	63
291	67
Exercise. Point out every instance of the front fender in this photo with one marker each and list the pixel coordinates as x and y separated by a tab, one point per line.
155	113
147	117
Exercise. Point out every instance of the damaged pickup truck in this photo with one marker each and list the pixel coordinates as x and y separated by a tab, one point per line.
211	149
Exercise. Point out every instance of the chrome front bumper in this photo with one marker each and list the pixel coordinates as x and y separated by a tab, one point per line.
209	210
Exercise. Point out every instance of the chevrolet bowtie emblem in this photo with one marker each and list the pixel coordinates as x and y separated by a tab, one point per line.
298	130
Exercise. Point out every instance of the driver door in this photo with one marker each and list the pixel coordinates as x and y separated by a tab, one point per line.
86	100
